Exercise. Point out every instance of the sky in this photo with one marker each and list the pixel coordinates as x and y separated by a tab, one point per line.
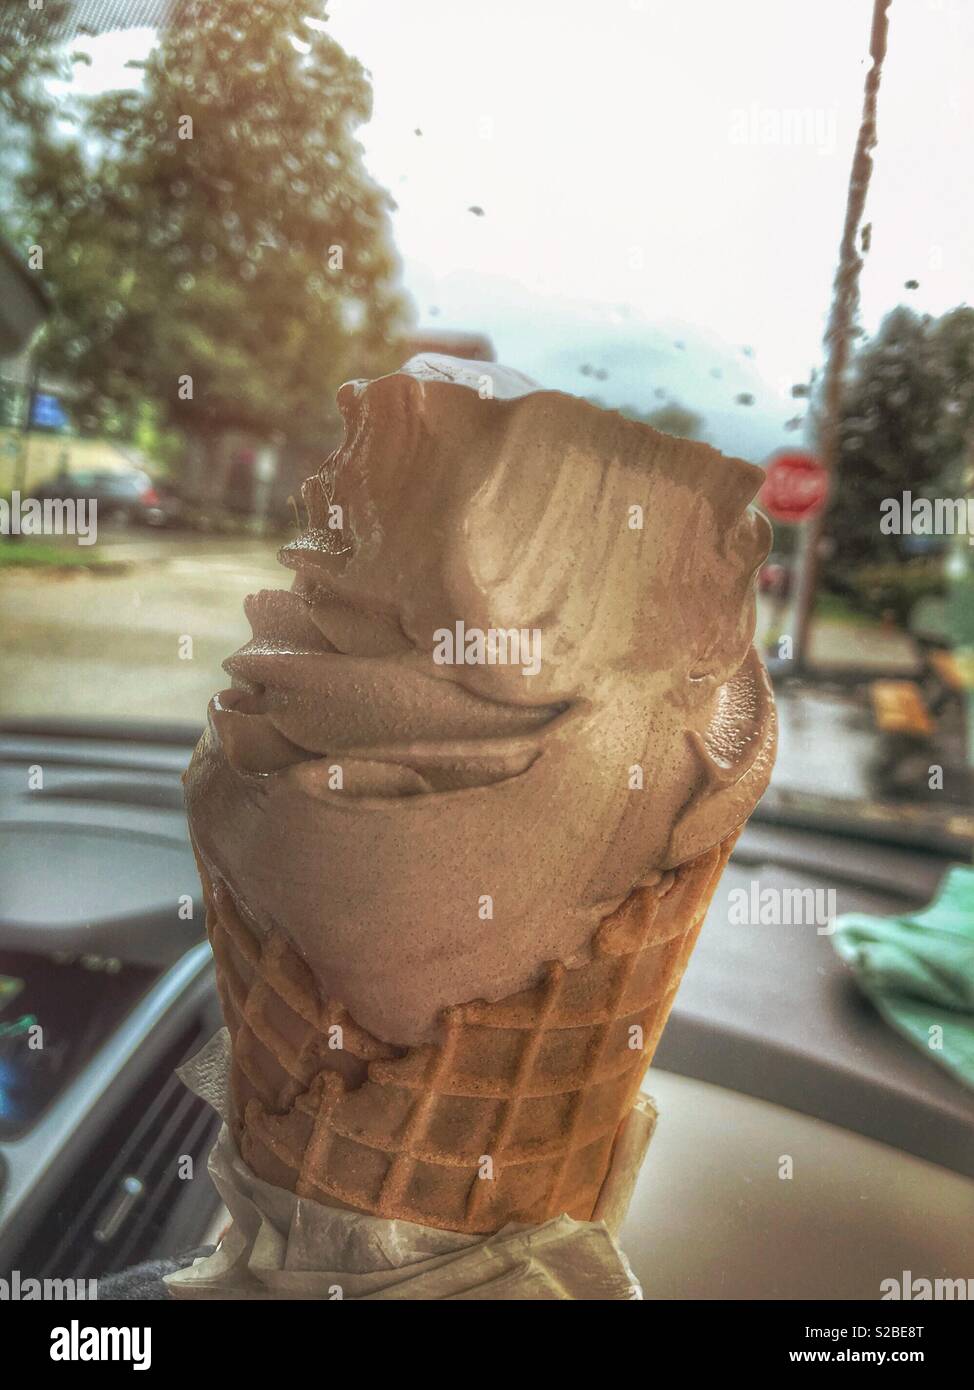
662	184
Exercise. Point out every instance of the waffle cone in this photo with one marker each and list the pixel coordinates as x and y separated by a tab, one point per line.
511	1115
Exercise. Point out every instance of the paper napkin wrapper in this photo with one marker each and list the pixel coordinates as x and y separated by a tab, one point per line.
279	1245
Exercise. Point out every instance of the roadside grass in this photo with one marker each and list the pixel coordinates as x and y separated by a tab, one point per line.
27	553
835	608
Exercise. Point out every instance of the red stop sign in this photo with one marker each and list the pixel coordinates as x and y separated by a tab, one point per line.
795	488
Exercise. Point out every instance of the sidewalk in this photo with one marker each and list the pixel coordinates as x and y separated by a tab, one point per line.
846	645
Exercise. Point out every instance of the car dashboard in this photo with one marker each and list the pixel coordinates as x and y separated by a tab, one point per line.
107	985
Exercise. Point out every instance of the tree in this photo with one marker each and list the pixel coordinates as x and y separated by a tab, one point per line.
908	410
671	418
674	419
27	61
213	243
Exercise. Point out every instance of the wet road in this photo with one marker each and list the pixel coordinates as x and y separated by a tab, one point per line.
108	645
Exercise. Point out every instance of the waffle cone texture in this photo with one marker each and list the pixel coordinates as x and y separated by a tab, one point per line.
511	1115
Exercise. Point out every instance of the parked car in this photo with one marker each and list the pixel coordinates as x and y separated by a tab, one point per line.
124	498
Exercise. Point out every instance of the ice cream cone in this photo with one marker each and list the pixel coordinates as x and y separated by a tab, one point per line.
507	604
511	1114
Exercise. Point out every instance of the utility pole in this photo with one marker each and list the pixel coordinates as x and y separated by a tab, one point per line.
842	321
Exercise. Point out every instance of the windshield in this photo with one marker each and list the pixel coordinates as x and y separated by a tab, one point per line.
213	215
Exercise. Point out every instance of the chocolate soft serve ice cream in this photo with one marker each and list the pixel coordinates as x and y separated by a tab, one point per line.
427	807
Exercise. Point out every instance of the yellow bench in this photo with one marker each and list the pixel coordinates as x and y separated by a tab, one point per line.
899	708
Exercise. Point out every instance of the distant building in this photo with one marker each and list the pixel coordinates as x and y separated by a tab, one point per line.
92	17
24	303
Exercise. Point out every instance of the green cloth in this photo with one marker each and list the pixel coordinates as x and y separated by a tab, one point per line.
919	970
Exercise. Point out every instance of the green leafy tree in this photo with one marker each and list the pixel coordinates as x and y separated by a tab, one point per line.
674	419
908	412
28	61
213	242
